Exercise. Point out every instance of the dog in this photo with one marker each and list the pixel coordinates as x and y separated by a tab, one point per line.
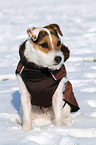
41	76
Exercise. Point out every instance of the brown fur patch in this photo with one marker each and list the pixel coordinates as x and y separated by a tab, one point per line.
55	41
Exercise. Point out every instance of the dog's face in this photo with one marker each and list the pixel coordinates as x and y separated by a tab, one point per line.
47	46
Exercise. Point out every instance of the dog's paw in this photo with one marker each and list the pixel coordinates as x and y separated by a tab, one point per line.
67	122
27	127
58	123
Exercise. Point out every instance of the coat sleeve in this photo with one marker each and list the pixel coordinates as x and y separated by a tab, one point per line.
70	98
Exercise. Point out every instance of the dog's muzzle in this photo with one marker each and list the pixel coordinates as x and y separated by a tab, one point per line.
58	59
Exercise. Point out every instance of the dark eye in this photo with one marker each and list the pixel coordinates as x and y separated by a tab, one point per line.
58	43
44	45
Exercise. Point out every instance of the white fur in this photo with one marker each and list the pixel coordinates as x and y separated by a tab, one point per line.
32	113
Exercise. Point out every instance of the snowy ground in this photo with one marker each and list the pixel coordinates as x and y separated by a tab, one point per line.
77	19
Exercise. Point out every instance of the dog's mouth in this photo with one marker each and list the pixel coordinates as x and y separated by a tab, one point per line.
55	64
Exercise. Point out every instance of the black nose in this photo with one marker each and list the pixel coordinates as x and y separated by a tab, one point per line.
58	59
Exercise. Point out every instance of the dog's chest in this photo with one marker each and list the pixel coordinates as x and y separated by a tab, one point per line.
40	85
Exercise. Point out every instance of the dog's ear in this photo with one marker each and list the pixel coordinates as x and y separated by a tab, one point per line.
56	27
65	51
33	33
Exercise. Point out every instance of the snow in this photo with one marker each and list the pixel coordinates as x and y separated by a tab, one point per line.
77	19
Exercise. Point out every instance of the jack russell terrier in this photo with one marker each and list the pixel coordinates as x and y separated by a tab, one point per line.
45	90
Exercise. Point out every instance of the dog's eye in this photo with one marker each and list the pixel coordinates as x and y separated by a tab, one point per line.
44	45
58	43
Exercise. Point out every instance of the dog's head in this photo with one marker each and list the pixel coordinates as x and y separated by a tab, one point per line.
48	49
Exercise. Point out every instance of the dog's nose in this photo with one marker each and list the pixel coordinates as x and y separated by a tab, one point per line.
58	59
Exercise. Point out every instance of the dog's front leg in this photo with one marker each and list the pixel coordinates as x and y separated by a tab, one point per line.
57	102
57	108
26	105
